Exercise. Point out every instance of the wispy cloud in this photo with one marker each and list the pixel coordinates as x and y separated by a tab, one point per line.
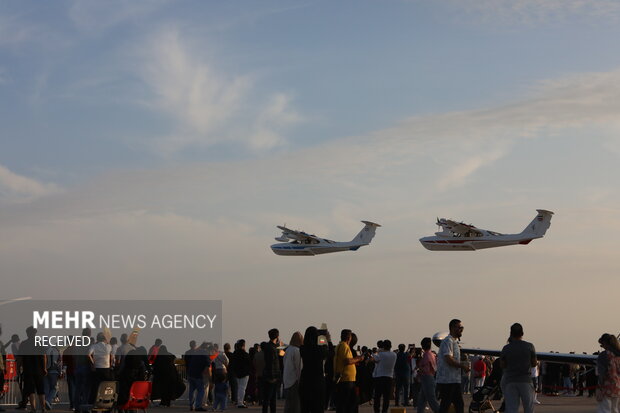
469	164
433	154
204	102
275	116
538	11
96	17
187	88
463	142
16	188
16	31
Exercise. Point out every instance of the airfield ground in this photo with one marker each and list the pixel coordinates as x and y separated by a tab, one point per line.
548	404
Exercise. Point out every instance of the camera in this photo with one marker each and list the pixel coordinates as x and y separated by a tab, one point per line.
323	335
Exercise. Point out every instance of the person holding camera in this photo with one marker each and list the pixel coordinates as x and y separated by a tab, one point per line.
385	360
402	375
344	374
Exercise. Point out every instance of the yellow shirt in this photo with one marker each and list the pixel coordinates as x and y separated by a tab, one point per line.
346	371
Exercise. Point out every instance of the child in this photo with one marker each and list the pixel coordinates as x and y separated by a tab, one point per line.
221	392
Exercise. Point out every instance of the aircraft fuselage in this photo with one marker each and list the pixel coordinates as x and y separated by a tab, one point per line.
451	243
291	248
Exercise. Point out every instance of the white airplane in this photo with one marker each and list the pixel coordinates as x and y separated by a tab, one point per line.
457	236
306	244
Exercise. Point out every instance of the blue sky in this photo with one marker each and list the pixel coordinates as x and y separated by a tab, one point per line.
161	142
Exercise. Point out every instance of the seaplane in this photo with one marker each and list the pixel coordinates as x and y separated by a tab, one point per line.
300	243
458	236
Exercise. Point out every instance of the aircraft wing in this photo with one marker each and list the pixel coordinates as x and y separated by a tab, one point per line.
458	227
298	235
587	359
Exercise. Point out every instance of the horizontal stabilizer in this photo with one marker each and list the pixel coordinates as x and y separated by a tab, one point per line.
371	223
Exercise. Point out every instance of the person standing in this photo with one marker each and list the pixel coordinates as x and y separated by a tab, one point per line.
2	368
33	363
82	371
480	372
167	385
384	373
133	368
255	382
232	380
271	371
467	383
292	373
330	384
154	350
240	367
100	356
449	368
402	375
114	346
312	379
608	366
517	358
220	393
220	363
344	374
196	362
414	383
426	373
535	374
15	343
121	352
54	367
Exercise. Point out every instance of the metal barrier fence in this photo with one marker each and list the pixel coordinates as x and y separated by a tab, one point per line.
12	393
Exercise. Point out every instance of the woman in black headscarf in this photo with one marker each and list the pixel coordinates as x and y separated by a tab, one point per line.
167	384
133	368
312	381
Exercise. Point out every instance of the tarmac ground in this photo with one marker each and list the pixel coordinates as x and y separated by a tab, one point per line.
548	404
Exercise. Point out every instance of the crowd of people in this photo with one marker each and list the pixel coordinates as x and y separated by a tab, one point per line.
311	373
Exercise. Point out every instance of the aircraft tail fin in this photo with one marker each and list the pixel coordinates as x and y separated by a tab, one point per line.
539	225
366	234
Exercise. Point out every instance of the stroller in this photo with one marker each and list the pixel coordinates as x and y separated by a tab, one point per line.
481	400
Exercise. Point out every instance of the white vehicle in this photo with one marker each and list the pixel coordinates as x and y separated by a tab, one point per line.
306	244
457	236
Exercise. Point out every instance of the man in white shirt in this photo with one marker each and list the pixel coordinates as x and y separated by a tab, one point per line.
100	356
385	360
449	368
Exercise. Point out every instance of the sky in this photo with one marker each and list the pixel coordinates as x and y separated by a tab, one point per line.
148	150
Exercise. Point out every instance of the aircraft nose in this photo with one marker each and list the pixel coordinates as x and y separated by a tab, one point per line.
438	338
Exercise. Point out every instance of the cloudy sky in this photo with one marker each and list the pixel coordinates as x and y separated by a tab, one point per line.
148	150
